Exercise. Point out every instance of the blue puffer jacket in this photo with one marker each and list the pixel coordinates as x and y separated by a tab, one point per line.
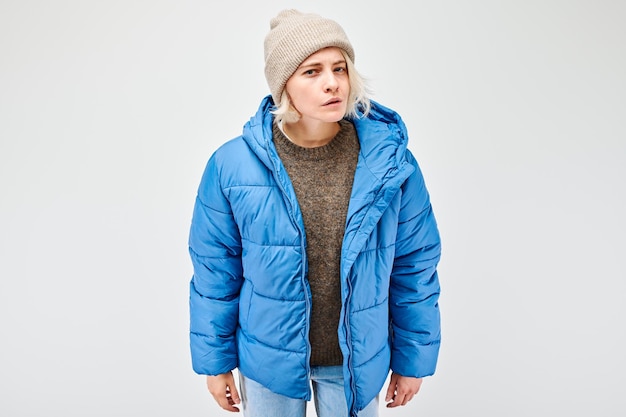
249	297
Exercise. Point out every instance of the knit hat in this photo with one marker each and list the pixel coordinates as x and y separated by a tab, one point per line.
293	37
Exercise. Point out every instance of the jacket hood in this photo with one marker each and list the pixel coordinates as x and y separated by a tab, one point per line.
257	132
382	135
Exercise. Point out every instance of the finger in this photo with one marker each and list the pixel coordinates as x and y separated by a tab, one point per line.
391	392
406	399
404	395
225	402
397	401
391	389
234	394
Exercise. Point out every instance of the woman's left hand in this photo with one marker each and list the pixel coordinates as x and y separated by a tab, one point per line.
401	390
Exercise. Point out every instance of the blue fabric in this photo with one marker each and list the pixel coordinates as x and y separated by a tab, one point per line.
249	297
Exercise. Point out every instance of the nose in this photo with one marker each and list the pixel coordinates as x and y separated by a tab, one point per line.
330	82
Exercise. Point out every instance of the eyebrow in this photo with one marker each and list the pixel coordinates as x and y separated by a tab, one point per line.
319	64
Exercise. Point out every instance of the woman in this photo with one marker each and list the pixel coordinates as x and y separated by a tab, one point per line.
314	244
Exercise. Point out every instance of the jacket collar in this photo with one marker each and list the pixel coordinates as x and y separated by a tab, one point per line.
382	136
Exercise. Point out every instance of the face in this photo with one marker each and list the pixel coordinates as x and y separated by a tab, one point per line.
319	88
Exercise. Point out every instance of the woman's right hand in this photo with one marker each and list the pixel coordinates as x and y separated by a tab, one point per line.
222	387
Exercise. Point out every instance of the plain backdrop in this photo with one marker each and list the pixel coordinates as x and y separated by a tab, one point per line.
109	111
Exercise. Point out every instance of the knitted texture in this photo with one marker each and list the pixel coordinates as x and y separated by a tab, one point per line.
322	179
293	37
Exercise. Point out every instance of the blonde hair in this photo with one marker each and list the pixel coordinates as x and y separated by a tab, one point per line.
358	101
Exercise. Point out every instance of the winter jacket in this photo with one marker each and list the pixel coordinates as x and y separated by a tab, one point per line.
250	301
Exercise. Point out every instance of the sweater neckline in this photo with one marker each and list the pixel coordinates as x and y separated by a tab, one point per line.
333	149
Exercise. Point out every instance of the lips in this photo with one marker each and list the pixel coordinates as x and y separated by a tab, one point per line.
334	100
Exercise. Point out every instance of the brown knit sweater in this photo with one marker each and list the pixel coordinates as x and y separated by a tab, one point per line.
322	179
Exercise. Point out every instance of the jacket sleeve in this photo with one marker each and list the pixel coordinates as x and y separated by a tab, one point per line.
215	250
414	287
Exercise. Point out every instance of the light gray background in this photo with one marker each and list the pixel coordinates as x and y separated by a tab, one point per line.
110	109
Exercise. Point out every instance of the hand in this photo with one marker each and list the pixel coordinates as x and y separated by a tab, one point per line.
222	388
401	390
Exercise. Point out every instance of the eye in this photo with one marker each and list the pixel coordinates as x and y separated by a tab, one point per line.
309	72
340	69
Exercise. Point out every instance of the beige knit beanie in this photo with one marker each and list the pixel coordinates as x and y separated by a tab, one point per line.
293	37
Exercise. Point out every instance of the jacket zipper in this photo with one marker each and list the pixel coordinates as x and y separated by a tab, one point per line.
303	277
349	343
349	337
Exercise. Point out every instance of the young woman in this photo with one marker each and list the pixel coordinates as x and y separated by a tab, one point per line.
314	243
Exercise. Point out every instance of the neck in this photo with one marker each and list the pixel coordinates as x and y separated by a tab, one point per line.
311	134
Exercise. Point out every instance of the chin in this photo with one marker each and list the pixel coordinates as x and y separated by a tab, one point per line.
333	119
335	116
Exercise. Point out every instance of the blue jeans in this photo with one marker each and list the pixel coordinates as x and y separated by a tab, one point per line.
328	394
